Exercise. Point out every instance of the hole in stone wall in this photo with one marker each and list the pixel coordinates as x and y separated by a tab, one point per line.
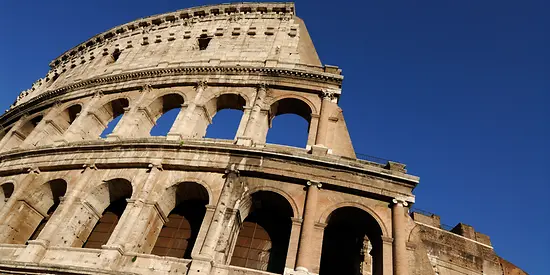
7	190
115	55
203	42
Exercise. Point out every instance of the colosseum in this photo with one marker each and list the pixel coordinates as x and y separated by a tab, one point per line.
74	201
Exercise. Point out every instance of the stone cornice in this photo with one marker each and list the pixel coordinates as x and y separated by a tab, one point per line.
175	71
152	144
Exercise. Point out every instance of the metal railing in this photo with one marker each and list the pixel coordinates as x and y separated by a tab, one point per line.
372	158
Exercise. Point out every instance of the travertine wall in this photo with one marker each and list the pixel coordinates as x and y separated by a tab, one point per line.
59	178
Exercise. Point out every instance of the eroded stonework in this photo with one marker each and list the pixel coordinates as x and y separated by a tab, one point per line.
131	203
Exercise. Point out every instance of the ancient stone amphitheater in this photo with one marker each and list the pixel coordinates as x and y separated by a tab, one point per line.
72	202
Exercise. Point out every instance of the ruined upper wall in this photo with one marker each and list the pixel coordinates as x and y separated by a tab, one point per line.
243	34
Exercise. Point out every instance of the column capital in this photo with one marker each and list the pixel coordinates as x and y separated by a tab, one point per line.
329	94
201	84
146	88
263	86
314	183
98	94
398	201
232	170
153	166
33	170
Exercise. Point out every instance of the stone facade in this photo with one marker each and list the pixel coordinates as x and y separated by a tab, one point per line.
75	203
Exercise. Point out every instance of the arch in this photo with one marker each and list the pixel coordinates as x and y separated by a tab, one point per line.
186	203
263	240
164	104
305	100
283	112
98	121
234	101
224	101
288	197
109	199
352	243
46	201
23	131
325	215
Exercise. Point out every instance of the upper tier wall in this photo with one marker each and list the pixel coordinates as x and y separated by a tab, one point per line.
245	34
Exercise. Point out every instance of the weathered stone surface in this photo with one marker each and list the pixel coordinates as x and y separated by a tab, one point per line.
74	203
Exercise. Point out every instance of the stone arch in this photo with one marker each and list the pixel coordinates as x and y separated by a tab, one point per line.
108	201
352	242
228	100
305	100
302	134
57	125
33	211
20	134
325	215
165	102
98	119
162	104
267	223
184	204
288	197
108	191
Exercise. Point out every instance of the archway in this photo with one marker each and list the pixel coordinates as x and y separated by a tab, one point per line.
164	110
55	189
55	128
177	237
352	243
109	199
31	212
263	240
226	112
20	135
103	121
289	122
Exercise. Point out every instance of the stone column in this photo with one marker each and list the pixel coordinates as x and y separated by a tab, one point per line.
77	131
220	225
322	128
224	203
252	127
400	262
303	262
140	218
184	126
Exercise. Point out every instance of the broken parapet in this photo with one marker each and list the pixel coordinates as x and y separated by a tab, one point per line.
461	229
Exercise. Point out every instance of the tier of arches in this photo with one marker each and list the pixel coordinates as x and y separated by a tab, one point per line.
135	114
179	220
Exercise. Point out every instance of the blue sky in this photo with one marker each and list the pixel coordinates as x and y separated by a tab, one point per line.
457	90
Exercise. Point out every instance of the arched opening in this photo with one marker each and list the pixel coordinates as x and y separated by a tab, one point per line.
165	111
56	127
226	112
179	234
6	191
109	198
58	188
289	122
263	240
104	121
19	135
352	244
70	114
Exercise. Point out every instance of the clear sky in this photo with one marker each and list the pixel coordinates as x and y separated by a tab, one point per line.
457	90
